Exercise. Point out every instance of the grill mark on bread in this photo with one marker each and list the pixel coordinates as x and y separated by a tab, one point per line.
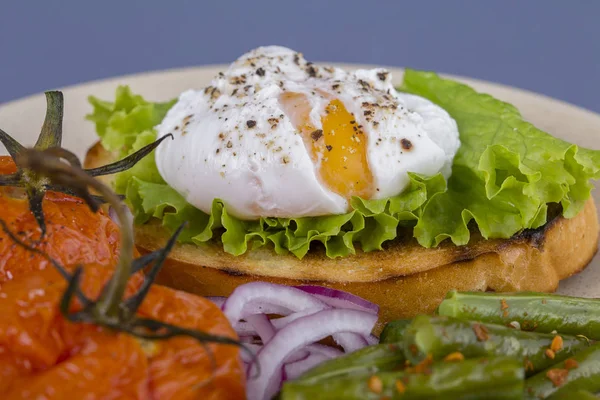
534	237
537	237
231	272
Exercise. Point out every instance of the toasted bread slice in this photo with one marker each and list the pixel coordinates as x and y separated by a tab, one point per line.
404	279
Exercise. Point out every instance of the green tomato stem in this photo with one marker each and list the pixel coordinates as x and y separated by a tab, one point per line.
51	134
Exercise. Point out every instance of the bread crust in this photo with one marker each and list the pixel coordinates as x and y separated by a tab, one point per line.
405	279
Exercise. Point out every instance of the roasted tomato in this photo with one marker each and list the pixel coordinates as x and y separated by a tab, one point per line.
45	356
75	235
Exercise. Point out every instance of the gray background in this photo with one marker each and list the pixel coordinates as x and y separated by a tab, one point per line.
551	47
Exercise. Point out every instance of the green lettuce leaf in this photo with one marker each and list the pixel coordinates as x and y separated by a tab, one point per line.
370	224
504	175
506	171
120	123
126	125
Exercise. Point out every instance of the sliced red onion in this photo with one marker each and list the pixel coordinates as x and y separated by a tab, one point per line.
247	339
244	300
244	328
297	356
286	346
261	307
372	339
327	352
350	341
279	323
260	290
262	326
254	348
330	352
297	335
340	299
294	369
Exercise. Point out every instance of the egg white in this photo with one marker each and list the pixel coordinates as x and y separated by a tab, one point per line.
234	141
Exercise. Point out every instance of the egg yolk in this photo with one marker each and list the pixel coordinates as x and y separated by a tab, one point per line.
340	146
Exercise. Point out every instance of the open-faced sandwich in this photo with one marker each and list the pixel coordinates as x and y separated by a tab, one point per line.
292	172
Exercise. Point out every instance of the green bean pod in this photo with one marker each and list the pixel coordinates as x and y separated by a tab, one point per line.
578	394
371	359
539	312
393	332
580	372
439	336
496	378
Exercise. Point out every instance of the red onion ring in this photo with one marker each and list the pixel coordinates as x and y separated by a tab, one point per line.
286	345
265	330
254	348
244	328
247	339
262	325
350	341
261	307
294	369
371	340
330	352
279	323
267	298
326	351
297	335
256	297
340	299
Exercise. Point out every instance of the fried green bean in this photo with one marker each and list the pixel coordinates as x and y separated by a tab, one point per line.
393	332
539	312
580	372
578	394
495	378
438	337
371	359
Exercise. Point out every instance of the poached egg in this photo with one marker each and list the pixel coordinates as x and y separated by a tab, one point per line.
277	136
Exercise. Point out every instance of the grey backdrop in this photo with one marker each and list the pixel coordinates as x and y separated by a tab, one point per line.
548	46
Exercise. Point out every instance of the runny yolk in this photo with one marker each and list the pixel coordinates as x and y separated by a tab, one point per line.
344	166
341	146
